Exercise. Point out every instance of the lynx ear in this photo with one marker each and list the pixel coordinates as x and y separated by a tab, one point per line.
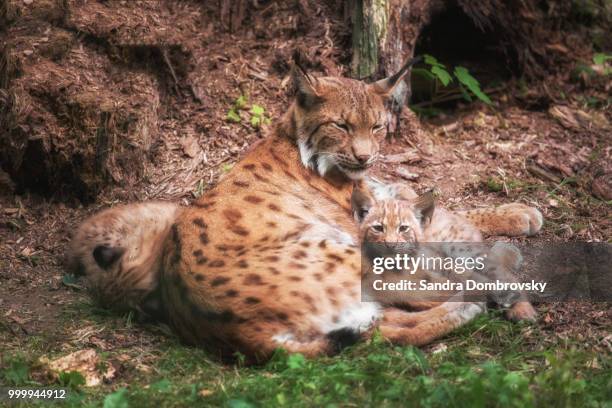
386	85
424	206
361	201
305	84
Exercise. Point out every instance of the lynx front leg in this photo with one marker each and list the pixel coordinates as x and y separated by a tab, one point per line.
510	219
422	328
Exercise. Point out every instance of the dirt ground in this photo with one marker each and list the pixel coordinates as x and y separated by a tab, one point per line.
546	155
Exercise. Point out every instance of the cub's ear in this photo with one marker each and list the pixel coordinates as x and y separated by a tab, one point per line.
385	86
361	201
305	84
424	206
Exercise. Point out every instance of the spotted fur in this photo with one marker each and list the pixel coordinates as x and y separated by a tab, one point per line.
269	257
118	252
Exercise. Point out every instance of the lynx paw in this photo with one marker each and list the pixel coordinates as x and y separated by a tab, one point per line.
523	220
505	254
466	311
522	311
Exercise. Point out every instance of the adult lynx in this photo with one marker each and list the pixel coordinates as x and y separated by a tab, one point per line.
269	257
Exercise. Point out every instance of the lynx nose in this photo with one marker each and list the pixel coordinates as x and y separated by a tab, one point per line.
362	149
362	158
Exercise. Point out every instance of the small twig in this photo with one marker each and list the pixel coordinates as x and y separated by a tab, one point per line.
169	65
541	173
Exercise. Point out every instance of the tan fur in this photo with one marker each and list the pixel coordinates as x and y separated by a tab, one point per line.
512	220
413	219
139	230
269	257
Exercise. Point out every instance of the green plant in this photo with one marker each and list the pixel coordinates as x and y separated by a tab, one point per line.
258	116
71	379
602	60
117	399
257	112
199	190
464	77
16	371
227	167
439	75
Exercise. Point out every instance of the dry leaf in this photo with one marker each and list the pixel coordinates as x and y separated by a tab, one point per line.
85	362
190	146
564	116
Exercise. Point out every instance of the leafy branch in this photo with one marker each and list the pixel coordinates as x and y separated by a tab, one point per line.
468	85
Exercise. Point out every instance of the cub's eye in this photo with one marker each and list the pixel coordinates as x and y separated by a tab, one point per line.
342	126
376	128
378	227
403	228
362	213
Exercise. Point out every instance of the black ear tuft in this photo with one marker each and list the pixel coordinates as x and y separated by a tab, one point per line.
386	85
304	84
106	256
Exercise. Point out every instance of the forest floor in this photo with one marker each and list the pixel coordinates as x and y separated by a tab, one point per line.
476	155
564	358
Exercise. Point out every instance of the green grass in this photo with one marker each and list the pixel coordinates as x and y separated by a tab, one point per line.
488	363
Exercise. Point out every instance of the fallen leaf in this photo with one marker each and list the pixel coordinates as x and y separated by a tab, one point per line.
86	362
190	146
439	348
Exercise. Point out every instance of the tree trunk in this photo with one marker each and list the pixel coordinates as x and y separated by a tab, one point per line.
385	33
384	36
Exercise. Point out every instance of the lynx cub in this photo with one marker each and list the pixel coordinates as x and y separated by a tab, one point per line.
412	219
